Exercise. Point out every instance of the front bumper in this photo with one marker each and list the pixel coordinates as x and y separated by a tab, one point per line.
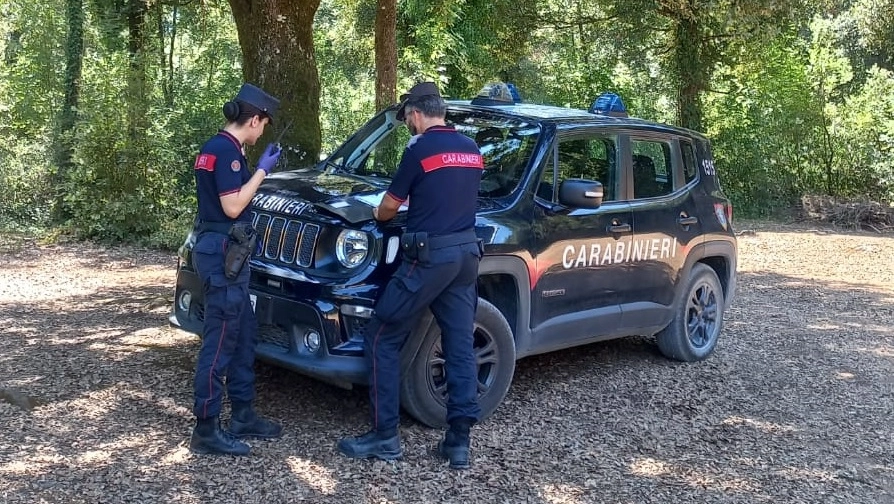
285	328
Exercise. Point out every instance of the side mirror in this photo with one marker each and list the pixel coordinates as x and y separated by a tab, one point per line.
581	193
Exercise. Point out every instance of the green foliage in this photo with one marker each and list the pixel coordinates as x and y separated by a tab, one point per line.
32	34
345	54
764	125
136	188
793	104
864	134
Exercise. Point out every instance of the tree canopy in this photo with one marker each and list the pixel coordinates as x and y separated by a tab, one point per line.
104	103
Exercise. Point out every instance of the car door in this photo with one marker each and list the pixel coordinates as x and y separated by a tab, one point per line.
581	276
665	225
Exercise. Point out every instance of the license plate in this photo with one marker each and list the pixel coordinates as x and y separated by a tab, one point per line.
254	301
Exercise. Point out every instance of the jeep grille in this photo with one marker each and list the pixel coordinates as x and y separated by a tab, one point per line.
285	240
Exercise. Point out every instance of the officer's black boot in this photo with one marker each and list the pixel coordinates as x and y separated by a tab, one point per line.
245	423
383	445
455	445
209	439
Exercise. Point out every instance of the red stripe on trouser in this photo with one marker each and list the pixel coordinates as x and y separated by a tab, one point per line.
223	332
376	379
374	373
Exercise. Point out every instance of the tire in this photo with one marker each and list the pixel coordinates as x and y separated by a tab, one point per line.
693	333
424	388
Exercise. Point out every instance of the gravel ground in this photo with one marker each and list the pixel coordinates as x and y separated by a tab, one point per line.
796	404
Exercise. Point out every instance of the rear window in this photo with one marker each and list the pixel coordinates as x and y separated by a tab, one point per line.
690	168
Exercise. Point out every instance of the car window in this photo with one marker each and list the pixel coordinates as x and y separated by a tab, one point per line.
505	144
652	172
690	169
591	158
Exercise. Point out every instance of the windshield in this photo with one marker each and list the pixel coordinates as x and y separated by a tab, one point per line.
505	143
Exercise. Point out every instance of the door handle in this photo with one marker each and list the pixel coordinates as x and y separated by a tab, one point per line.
617	227
687	221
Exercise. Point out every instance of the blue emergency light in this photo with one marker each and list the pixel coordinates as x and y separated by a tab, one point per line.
497	93
608	104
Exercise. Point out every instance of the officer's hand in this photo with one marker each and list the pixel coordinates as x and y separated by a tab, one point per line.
269	157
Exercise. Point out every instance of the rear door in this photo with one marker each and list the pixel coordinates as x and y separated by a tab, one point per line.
665	225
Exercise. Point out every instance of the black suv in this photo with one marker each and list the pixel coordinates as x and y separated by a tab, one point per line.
595	227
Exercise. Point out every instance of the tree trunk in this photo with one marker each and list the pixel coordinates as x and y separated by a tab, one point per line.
136	98
386	53
68	115
166	57
277	43
689	72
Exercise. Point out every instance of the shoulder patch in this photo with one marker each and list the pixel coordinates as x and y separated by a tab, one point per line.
205	162
236	165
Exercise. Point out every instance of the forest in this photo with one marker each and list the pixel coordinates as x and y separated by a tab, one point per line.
105	103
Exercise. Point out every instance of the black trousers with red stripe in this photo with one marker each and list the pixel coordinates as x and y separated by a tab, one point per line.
447	285
230	333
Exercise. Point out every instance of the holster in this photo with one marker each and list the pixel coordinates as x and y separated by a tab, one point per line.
243	240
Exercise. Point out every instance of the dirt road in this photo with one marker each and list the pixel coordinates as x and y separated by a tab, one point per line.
796	405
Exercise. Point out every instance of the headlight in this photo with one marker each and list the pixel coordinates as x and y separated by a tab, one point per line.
351	247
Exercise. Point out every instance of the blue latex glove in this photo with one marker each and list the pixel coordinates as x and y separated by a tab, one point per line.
269	157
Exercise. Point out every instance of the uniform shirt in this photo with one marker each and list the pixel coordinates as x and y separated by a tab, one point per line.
221	169
440	172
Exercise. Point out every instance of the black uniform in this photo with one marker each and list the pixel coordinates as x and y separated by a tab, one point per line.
230	331
440	173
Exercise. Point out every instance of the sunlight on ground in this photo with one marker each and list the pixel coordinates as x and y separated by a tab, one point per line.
10	329
314	475
879	351
708	479
158	337
768	427
34	464
650	467
800	473
713	481
561	494
823	327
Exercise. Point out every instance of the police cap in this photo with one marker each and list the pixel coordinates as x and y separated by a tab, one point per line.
420	90
253	95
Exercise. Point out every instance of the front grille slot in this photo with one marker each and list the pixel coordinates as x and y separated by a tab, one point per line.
285	240
274	238
290	242
308	240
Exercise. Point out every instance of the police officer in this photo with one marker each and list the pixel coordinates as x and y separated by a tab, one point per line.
225	188
440	172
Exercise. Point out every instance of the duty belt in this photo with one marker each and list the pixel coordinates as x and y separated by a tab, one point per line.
449	240
213	227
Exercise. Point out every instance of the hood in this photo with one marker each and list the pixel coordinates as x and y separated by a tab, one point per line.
347	196
315	186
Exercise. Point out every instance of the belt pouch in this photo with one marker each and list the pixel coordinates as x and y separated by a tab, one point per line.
408	245
422	247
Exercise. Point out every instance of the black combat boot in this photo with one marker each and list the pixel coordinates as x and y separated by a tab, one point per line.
245	423
381	445
455	445
209	439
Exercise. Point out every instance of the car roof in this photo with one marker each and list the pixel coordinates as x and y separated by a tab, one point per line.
565	115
